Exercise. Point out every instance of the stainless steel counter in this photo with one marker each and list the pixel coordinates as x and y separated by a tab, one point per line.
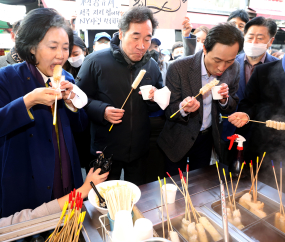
203	188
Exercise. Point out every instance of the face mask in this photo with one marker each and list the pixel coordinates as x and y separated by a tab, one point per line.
199	46
154	54
176	57
254	50
101	46
76	61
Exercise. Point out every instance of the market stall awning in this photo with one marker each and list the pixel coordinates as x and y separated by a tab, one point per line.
17	2
4	25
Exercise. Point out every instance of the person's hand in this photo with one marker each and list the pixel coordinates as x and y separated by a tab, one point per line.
151	94
187	27
224	91
191	106
114	115
68	86
72	20
238	119
42	95
95	178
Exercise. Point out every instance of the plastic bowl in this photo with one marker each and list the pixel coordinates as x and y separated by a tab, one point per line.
92	195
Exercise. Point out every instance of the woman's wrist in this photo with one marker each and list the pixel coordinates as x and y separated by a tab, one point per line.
29	100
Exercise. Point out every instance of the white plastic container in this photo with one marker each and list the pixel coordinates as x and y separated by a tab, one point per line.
215	94
123	227
145	91
143	229
170	192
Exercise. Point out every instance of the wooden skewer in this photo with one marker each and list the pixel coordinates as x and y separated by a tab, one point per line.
233	191
175	184
229	196
184	106
239	177
248	120
166	206
123	106
281	203
281	183
162	216
256	179
218	171
257	171
252	176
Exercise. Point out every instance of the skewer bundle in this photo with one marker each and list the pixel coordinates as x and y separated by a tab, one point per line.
249	201
280	216
73	220
119	198
195	230
202	91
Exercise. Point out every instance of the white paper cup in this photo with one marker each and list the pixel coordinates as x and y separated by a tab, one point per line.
145	91
123	227
143	229
170	192
215	94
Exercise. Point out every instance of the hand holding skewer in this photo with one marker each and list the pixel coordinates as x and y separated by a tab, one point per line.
202	91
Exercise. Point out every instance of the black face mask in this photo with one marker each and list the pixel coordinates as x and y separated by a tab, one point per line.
154	54
176	57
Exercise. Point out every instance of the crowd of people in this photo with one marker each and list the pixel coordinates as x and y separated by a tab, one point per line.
40	163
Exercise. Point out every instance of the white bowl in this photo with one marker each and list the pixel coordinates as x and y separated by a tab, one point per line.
92	195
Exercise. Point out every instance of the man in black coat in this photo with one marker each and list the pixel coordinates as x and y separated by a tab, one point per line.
193	131
264	100
106	77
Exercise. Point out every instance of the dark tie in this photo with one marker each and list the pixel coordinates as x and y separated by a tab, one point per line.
49	83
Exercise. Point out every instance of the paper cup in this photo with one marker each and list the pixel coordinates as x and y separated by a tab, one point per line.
145	91
143	229
123	227
170	192
215	94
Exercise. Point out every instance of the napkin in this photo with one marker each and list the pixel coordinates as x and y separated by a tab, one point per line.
162	97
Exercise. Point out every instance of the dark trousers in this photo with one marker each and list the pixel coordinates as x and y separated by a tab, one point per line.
155	160
133	171
199	155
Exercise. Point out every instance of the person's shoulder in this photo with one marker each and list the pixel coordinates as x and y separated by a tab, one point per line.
99	54
270	58
268	65
67	75
3	61
240	57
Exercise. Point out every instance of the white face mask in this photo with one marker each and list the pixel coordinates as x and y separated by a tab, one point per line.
101	46
199	46
76	61
254	50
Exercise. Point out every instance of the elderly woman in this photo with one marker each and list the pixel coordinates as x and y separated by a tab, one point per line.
39	161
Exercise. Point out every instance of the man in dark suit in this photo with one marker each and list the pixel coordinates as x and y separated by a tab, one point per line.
193	131
259	36
264	99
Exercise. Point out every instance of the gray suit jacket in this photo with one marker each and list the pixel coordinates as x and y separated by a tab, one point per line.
183	80
7	60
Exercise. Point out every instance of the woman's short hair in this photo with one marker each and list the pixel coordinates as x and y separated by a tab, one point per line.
202	28
33	29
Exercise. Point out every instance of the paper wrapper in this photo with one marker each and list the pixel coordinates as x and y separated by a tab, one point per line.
162	97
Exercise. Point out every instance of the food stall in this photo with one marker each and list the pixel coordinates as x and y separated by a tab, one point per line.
204	189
